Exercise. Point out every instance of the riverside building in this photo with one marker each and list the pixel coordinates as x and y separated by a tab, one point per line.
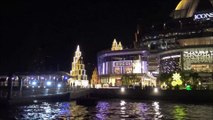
182	44
118	66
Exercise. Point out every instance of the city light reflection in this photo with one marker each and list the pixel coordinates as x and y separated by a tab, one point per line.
113	110
156	108
179	112
102	110
123	109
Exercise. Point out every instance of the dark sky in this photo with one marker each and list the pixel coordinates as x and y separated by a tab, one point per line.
44	34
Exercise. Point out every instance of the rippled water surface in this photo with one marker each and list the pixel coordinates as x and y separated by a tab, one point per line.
112	110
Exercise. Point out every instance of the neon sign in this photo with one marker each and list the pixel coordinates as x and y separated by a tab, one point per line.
203	16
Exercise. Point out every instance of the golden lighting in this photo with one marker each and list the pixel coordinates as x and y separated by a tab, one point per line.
176	79
179	82
196	41
186	8
183	4
116	45
176	76
174	83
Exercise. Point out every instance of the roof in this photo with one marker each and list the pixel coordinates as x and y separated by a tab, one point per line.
187	8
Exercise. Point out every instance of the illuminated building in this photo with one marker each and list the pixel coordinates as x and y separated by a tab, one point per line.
117	66
78	72
183	43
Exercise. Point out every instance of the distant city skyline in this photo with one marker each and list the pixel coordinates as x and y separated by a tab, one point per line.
43	35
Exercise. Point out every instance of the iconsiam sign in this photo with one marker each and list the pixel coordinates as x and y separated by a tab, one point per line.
203	16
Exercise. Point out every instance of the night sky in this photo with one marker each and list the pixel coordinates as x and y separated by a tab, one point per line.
43	35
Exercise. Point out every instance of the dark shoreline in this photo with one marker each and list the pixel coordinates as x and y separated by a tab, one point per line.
193	96
94	95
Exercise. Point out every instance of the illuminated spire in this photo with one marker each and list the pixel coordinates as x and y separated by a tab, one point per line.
120	47
77	55
114	45
78	48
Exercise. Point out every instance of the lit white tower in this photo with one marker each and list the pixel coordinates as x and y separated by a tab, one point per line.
78	71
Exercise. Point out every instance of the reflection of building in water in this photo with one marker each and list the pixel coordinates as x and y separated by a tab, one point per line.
78	112
78	72
102	109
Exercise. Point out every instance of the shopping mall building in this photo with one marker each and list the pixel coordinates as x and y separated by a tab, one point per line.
183	43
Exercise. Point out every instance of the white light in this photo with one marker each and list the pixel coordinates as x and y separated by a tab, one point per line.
48	83
59	85
173	56
35	101
85	83
122	89
38	86
122	103
34	83
137	66
155	90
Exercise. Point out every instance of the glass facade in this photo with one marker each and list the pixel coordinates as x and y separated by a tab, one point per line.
114	67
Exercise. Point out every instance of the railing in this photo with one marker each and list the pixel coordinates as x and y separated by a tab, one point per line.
11	91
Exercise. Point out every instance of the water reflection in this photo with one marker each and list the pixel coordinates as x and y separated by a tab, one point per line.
123	110
156	108
113	110
37	111
47	111
102	109
179	112
78	112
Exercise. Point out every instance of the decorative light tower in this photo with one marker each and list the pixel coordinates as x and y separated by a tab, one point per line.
78	72
116	46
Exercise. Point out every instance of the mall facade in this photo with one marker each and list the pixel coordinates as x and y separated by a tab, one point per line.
183	43
118	67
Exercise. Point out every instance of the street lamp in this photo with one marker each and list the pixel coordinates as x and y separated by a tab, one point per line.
49	83
156	90
122	89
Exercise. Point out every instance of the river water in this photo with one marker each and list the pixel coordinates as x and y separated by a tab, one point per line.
110	110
